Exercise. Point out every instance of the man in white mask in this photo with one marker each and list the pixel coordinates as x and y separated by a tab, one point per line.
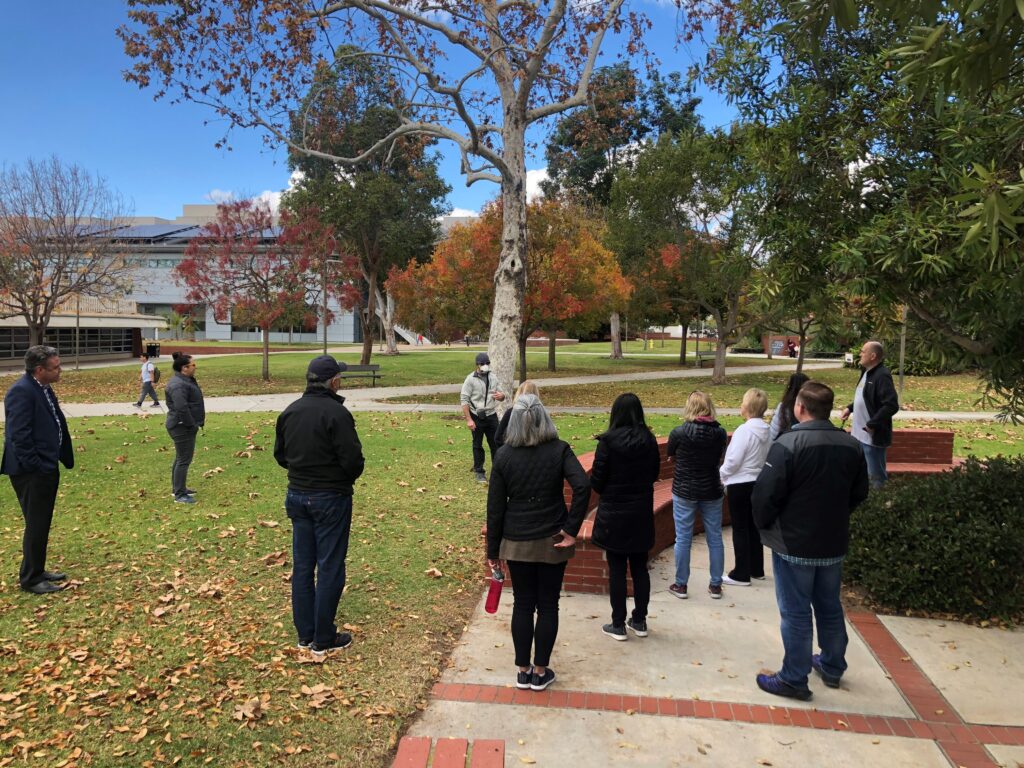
480	400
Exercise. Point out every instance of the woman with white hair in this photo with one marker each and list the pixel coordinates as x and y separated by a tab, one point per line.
529	527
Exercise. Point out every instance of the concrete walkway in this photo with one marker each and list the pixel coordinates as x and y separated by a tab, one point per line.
375	398
918	693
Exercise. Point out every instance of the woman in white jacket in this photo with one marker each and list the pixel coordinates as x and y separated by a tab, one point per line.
743	461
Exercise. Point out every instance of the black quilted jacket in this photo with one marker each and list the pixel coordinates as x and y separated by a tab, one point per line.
525	499
626	465
697	447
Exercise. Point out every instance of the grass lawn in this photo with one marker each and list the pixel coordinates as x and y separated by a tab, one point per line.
240	374
921	393
175	640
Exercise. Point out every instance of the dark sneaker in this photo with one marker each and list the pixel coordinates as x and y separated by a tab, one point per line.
303	645
186	499
830	681
341	640
481	477
638	628
523	679
540	682
137	405
773	685
679	590
715	590
191	492
154	405
616	633
762	577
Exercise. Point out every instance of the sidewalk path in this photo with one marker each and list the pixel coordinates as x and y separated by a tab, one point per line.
918	693
373	398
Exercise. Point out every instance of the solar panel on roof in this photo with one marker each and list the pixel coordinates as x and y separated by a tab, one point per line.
150	231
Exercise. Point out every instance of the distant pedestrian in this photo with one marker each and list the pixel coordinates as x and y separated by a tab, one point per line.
791	346
480	397
783	417
36	438
875	402
419	338
528	387
316	442
186	415
813	478
696	447
626	465
529	528
146	377
744	459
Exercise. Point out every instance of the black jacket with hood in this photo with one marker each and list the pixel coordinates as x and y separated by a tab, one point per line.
697	448
626	465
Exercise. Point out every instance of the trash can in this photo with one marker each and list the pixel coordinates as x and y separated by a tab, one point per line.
153	350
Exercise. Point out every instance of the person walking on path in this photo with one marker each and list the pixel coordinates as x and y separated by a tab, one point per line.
743	461
480	398
316	441
813	478
529	528
783	418
146	377
36	438
186	414
626	465
874	404
696	447
528	387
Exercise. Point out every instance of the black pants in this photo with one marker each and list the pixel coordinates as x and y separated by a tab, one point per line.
746	541
486	426
147	389
184	449
617	585
37	493
535	591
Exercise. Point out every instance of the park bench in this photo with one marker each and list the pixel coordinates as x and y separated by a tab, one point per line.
701	355
363	372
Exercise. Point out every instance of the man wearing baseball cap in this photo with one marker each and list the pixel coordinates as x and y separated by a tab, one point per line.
318	445
480	400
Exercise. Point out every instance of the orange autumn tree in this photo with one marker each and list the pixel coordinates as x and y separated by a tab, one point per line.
574	280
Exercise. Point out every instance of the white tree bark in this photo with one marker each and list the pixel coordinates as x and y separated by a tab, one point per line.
386	313
616	337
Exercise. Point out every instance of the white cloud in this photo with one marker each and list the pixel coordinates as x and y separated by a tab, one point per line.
533	180
220	195
463	212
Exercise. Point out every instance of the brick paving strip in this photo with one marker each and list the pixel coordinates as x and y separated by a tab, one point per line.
937	720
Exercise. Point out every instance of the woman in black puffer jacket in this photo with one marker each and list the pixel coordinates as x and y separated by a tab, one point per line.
529	527
626	465
696	447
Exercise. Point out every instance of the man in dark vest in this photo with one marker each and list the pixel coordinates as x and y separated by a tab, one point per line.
874	404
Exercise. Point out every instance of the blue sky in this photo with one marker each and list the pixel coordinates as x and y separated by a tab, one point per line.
63	93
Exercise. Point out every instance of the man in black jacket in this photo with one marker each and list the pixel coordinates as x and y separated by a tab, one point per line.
813	478
874	404
318	445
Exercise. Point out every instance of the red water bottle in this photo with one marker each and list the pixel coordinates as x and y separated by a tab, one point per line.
494	592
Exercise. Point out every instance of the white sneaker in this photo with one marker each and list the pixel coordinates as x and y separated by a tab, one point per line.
734	583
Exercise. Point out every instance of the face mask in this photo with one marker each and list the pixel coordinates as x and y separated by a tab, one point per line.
485	368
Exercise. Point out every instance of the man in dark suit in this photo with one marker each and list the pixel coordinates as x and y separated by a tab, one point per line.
36	438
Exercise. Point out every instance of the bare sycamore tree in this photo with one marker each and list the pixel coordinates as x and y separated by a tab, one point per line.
54	222
478	73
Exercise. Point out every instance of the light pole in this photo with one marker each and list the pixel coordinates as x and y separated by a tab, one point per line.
323	275
78	323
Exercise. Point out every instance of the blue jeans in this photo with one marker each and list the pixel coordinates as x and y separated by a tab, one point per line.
321	521
798	589
875	457
684	512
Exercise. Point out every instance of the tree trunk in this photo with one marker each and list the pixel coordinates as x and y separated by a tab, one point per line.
266	354
682	346
510	277
386	313
552	345
718	377
522	362
803	347
371	311
36	331
616	337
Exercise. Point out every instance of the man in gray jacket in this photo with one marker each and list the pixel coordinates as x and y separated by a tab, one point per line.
813	478
480	399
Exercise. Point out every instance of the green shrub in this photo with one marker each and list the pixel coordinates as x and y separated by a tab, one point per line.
951	542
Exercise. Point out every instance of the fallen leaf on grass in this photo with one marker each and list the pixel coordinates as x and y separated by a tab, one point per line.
446	498
212	472
433	573
252	710
274	558
269	523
